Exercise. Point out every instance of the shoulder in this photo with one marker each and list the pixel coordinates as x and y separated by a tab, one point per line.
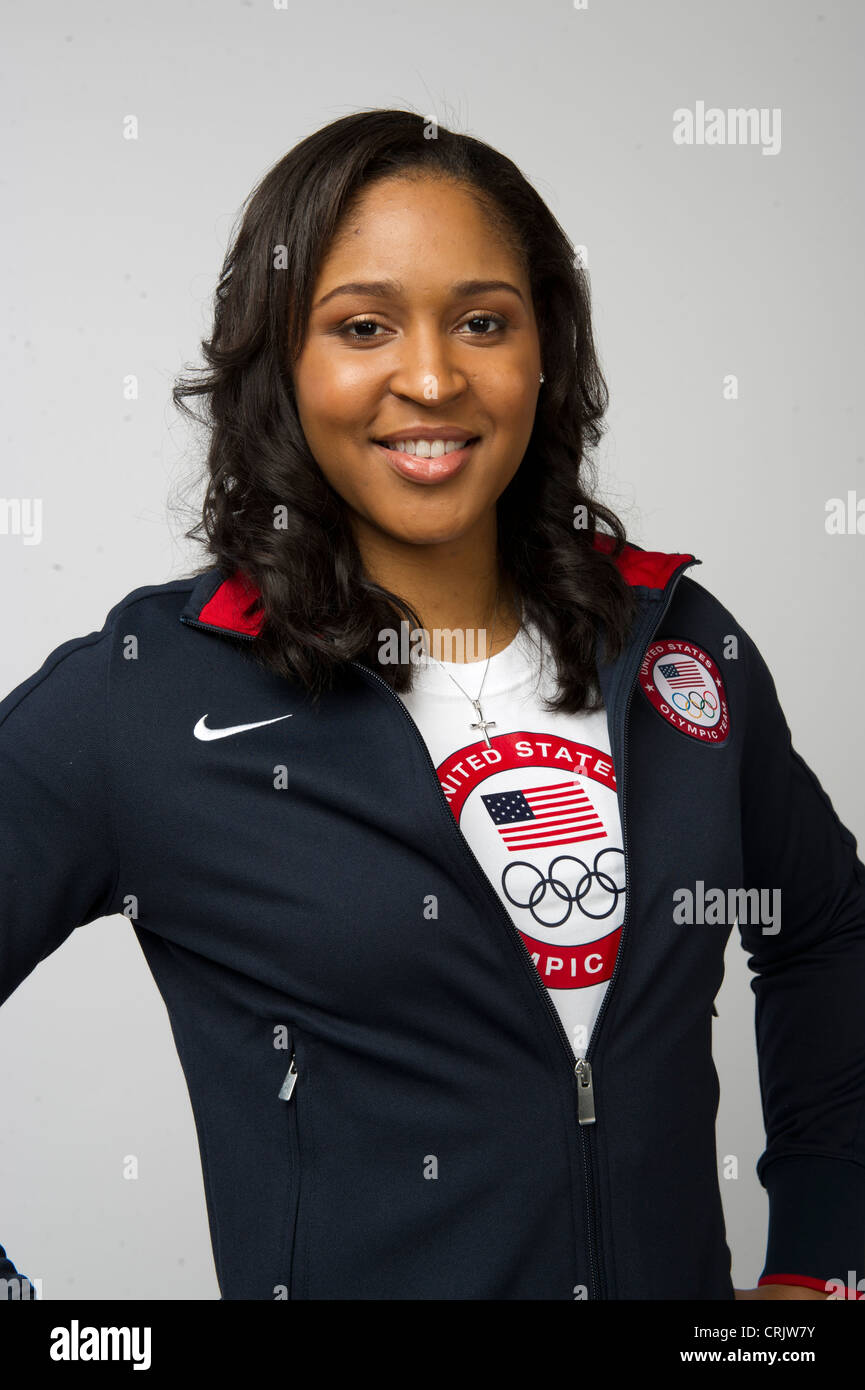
76	669
156	600
693	598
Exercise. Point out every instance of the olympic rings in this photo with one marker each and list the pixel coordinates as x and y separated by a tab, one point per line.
696	701
560	889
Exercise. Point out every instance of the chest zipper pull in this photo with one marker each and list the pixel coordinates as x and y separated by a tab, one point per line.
585	1093
290	1081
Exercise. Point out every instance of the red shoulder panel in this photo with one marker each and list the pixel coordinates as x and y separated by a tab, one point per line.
226	607
651	568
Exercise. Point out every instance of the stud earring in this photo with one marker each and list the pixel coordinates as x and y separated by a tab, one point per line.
542	378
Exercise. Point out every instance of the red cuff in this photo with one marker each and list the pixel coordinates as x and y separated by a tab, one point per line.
805	1281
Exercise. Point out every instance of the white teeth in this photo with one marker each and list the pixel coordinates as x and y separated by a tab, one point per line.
426	448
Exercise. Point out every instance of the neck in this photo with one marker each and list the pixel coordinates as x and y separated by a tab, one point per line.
452	586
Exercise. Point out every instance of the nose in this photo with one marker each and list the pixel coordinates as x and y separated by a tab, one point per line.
427	366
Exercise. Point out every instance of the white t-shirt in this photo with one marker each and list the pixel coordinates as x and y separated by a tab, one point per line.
539	809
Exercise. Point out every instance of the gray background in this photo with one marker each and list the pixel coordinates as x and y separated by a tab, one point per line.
704	260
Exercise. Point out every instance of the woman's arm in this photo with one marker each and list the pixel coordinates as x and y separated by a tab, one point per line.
58	861
810	1004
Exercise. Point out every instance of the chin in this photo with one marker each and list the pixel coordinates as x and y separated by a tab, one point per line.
429	537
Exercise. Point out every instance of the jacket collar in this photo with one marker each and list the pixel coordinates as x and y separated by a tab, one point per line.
219	601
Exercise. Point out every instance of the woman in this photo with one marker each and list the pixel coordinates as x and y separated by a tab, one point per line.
392	789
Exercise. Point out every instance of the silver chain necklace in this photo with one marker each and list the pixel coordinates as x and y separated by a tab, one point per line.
482	724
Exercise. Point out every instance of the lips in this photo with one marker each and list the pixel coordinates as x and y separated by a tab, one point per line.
429	470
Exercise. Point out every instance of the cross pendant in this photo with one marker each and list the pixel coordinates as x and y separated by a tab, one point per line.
483	724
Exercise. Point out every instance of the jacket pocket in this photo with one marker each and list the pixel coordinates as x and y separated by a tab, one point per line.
288	1094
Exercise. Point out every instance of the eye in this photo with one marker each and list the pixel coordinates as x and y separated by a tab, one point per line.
495	319
344	329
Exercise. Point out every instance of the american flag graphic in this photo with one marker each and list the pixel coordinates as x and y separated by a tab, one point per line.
681	673
555	815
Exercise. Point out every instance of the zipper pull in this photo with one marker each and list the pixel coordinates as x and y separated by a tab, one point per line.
290	1081
585	1093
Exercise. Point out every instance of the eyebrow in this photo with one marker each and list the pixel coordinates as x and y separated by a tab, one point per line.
384	289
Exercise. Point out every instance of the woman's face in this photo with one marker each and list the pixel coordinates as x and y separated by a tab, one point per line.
408	338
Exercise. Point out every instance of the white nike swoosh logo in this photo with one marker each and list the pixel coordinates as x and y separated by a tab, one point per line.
202	731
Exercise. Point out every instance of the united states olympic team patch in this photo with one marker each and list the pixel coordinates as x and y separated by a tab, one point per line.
686	688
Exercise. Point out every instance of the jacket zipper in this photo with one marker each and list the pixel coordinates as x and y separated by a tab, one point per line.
585	1093
286	1091
582	1068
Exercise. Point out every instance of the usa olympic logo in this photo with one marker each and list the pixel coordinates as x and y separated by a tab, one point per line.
534	891
684	684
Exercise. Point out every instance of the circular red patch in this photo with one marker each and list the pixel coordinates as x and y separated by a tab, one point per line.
686	688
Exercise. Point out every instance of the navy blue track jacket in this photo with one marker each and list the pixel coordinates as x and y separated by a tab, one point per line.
387	1105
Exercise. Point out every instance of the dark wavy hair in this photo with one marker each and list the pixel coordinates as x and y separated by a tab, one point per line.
320	609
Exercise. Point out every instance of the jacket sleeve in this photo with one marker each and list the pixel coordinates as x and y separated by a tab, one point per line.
810	1002
58	860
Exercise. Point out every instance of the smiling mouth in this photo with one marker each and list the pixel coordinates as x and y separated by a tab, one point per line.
427	448
427	461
